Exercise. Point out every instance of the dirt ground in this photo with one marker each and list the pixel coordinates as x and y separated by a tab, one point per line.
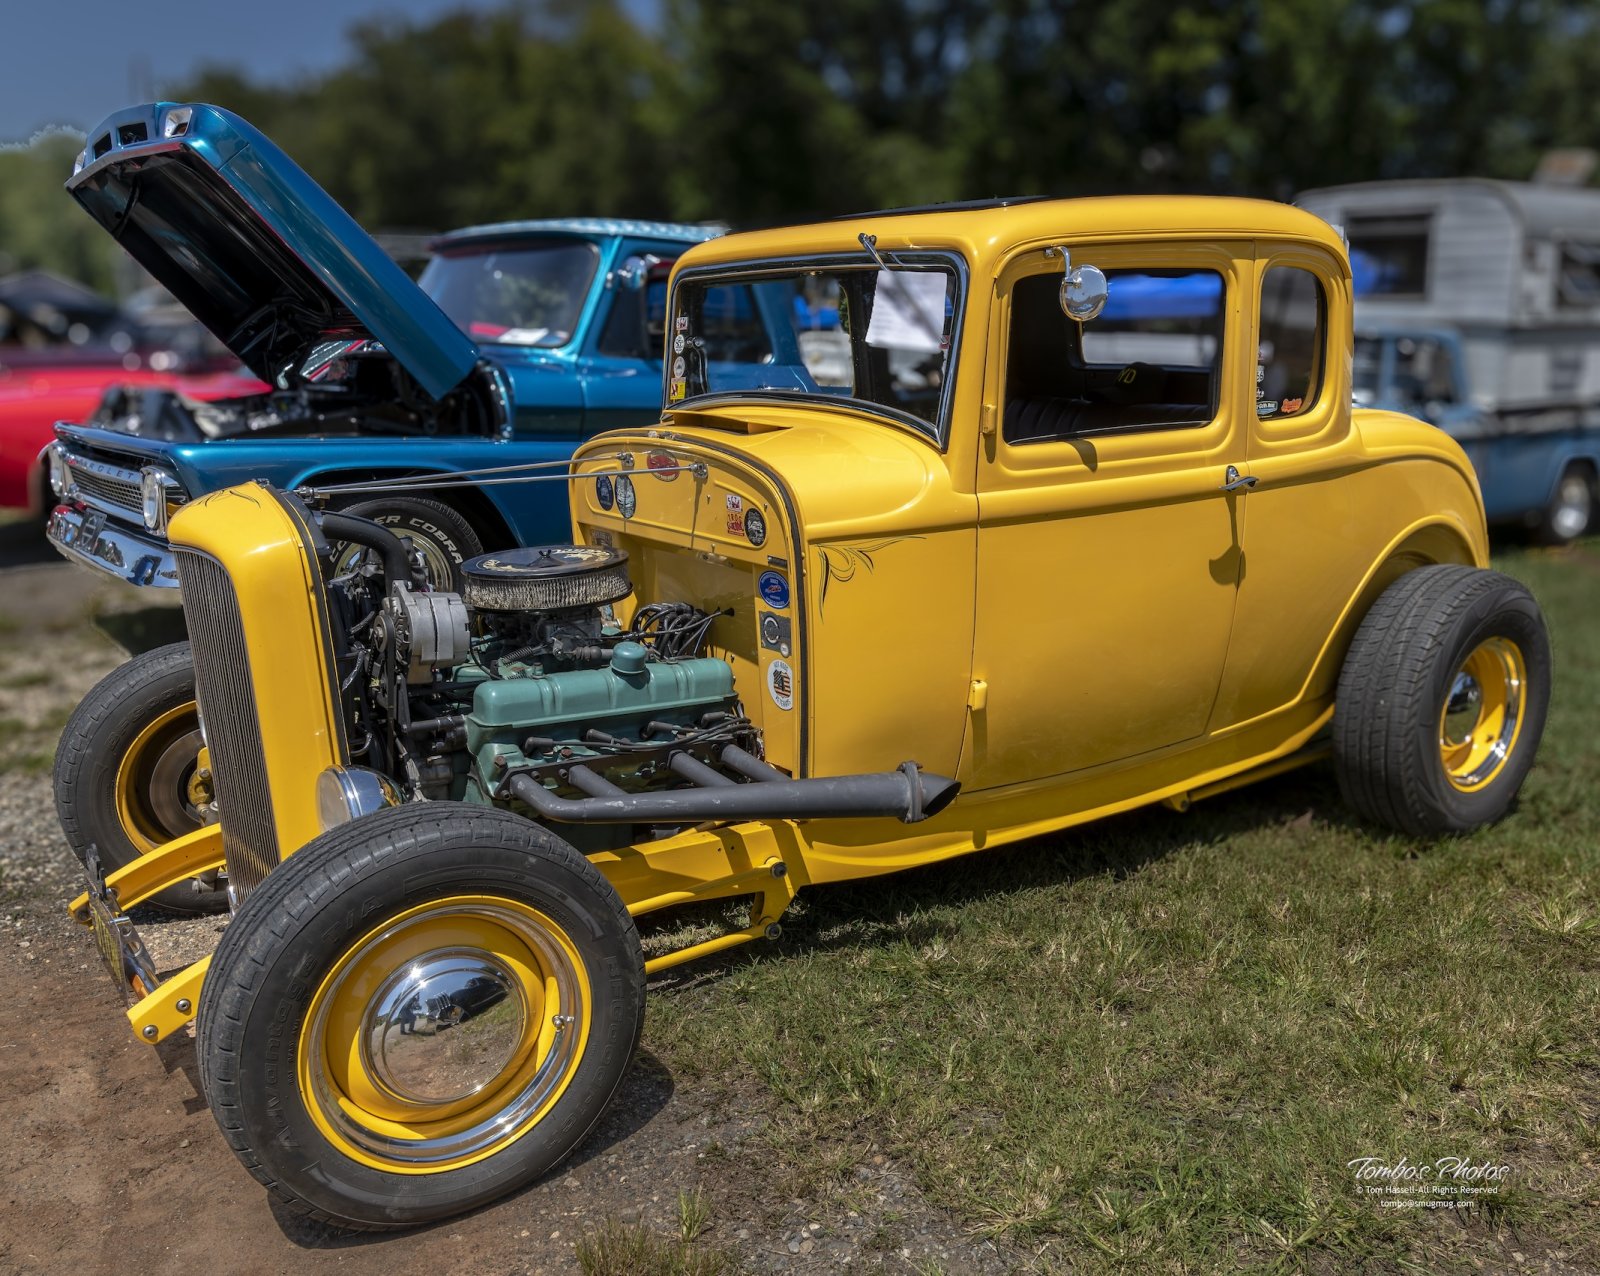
110	1161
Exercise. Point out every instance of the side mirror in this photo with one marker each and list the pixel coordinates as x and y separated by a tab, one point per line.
1084	289
634	273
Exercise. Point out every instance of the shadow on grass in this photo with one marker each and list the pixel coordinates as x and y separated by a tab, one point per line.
874	911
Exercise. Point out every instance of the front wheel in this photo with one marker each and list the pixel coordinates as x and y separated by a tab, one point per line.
1442	701
442	537
417	1013
128	776
1571	508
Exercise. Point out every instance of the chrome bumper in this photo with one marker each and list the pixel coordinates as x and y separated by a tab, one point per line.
83	534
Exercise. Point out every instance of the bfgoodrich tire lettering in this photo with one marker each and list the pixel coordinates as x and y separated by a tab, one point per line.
275	960
1442	700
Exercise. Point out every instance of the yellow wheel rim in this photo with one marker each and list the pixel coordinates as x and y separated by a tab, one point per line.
1482	713
156	785
445	1034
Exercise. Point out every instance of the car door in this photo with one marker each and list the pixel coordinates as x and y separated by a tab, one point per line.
1299	573
1108	555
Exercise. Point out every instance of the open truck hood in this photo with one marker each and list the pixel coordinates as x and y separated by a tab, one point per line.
256	250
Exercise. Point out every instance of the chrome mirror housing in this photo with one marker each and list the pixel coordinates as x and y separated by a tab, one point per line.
1084	289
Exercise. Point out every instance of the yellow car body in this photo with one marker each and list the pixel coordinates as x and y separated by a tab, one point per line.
1069	628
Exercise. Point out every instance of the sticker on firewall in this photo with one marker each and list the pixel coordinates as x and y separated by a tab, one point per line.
734	501
735	522
679	367
682	323
780	684
774	590
678	343
677	391
1266	407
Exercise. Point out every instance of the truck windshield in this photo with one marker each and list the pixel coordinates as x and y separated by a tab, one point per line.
522	294
879	339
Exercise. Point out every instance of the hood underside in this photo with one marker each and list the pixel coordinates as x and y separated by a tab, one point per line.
255	249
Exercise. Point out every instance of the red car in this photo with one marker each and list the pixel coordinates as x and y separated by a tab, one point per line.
39	388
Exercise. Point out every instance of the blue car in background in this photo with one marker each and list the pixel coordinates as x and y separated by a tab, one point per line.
518	340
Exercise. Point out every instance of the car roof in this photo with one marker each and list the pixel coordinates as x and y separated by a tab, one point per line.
582	228
986	230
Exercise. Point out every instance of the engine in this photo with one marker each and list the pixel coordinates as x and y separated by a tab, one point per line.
528	674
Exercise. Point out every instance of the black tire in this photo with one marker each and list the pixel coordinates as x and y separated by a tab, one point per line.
1571	509
124	765
443	535
317	918
1404	717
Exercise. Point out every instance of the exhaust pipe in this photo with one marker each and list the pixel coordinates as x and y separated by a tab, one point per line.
909	794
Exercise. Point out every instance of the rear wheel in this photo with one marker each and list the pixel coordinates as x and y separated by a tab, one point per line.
440	534
1442	701
127	773
417	1013
1571	508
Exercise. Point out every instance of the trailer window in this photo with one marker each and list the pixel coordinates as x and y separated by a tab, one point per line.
1580	275
1292	342
1389	255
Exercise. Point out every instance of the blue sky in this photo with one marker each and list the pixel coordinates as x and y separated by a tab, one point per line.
72	62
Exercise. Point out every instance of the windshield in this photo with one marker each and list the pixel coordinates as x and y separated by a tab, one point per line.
870	337
527	295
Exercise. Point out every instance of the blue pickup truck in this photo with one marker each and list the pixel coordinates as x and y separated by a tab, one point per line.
517	341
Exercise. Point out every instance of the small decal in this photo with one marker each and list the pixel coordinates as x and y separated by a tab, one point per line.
678	390
734	501
627	498
679	367
679	342
604	493
603	537
681	323
1266	407
663	465
774	590
1261	373
735	523
780	684
1291	405
755	527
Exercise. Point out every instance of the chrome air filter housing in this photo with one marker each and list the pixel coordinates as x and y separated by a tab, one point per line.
546	578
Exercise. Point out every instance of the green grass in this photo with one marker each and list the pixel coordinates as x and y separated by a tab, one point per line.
1156	1043
618	1249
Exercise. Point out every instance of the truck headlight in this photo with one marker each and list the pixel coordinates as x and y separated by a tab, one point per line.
60	479
346	793
155	488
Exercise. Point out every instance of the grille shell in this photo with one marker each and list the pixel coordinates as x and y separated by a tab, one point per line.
225	691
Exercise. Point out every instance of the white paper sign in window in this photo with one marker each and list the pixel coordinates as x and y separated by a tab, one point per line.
908	311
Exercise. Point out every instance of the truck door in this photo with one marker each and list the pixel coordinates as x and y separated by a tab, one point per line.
621	364
1108	557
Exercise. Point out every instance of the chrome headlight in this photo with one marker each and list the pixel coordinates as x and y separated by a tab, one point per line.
346	793
155	490
60	479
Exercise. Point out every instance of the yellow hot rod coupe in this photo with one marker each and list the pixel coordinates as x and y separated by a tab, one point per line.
1031	512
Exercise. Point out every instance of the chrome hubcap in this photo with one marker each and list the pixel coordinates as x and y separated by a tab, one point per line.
444	1027
438	565
1462	710
1572	508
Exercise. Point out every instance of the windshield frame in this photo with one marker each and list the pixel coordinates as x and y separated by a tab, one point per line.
489	247
765	268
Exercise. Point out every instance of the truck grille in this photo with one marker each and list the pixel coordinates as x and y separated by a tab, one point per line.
225	692
109	486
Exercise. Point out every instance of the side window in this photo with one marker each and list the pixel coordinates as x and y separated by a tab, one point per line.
731	325
1151	360
1294	342
637	325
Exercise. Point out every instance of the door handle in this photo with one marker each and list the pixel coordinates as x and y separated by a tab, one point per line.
1233	481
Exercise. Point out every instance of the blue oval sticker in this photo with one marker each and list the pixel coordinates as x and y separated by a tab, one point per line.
774	590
